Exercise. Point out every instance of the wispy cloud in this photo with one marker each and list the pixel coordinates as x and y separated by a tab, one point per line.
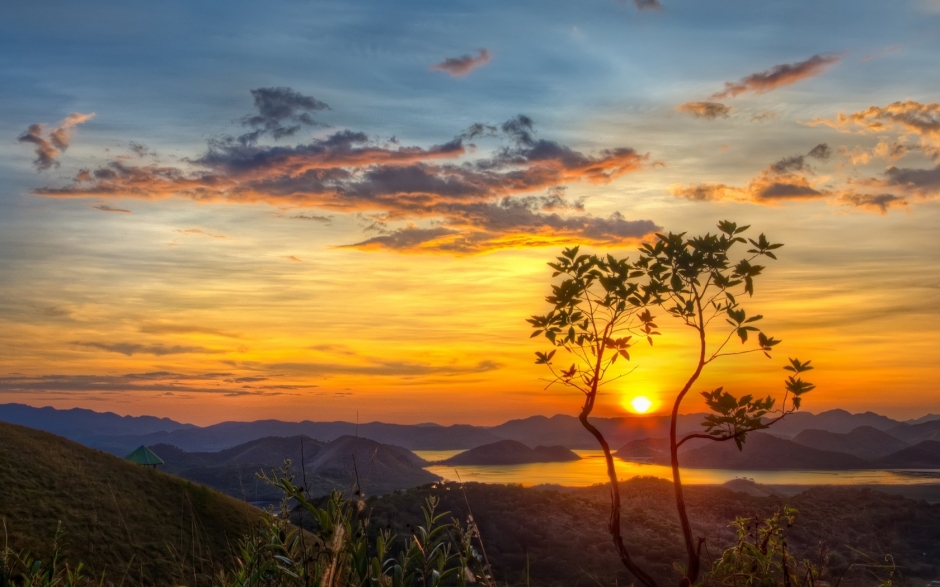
50	145
460	66
778	76
106	208
133	348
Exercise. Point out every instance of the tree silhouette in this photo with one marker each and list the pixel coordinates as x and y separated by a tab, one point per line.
602	305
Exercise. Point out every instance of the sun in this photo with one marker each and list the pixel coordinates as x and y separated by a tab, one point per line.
641	404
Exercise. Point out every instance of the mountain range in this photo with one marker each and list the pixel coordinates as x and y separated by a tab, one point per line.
119	435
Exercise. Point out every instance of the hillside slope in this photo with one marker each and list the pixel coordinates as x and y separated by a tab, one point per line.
118	518
864	442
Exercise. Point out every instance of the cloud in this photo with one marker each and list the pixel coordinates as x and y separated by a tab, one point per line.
875	202
162	382
200	232
821	152
762	116
648	5
314	217
907	117
786	179
921	182
277	106
50	145
177	328
141	150
709	110
778	76
449	185
460	66
385	368
131	348
106	208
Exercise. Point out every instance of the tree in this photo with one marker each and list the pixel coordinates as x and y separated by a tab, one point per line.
602	303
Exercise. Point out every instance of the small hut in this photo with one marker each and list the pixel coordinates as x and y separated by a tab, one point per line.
144	456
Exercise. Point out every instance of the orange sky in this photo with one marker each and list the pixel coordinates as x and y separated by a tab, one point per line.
308	231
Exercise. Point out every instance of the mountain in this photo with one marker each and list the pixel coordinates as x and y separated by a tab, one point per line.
117	517
924	418
511	452
838	421
321	467
914	433
863	442
83	425
645	450
923	455
767	452
121	434
568	431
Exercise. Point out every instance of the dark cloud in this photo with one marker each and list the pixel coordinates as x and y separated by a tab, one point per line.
393	184
821	152
708	110
132	348
789	164
49	146
922	182
460	66
880	203
106	208
140	149
162	382
777	76
281	113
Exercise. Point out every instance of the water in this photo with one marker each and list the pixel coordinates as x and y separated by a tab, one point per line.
591	469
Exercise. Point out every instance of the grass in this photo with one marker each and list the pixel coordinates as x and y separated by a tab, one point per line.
132	524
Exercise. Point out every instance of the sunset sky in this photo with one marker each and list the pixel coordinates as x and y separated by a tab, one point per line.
331	210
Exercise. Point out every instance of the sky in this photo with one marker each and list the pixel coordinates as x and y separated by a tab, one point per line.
343	210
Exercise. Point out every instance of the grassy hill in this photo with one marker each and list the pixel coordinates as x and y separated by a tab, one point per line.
122	520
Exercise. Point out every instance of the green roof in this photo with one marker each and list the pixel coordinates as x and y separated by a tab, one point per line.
144	456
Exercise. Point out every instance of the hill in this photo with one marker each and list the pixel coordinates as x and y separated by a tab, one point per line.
766	452
560	536
864	442
645	450
838	421
120	519
321	467
914	433
511	452
923	455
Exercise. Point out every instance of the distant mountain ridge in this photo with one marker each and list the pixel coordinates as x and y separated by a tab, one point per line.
121	434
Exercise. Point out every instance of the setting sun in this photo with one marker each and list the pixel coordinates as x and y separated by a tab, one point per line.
641	404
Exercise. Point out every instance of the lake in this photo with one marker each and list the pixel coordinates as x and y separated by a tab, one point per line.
591	470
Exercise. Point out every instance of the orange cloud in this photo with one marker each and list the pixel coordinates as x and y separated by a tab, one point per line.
49	146
484	199
709	110
907	117
460	66
778	76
